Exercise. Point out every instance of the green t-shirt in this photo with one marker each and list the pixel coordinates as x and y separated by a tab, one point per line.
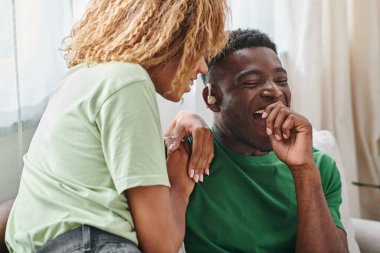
248	204
100	135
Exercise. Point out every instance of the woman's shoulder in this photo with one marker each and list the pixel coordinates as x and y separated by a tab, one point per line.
109	77
121	71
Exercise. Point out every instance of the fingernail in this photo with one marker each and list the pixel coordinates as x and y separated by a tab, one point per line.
196	178
207	172
264	115
269	131
277	137
191	173
171	146
285	136
201	178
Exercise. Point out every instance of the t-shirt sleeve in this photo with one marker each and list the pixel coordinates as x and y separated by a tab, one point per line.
131	137
332	188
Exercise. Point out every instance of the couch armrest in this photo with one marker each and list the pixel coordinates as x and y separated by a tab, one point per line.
367	234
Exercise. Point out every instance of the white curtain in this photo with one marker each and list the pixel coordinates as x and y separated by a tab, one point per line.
30	67
333	64
365	88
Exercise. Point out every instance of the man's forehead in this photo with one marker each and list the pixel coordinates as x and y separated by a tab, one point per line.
243	59
253	54
246	58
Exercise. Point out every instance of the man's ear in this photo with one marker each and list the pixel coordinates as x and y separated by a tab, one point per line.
213	100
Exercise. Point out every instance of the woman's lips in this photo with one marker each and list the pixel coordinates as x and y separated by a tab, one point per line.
191	83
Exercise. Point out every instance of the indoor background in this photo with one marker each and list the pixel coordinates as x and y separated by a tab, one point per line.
330	48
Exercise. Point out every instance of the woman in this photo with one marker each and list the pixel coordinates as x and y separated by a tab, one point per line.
95	172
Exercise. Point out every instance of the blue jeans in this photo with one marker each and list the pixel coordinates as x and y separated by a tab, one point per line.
88	239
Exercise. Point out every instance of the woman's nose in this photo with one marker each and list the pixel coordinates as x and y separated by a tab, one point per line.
202	66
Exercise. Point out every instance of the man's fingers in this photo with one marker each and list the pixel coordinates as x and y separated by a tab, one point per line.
282	115
272	111
287	126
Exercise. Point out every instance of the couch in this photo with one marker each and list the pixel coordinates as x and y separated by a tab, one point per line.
362	235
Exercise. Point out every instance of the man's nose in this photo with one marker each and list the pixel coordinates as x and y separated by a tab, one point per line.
271	90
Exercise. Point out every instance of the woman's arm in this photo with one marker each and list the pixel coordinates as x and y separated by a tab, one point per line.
159	211
5	209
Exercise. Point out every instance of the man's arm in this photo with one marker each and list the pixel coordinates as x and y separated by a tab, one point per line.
5	209
316	230
158	211
291	138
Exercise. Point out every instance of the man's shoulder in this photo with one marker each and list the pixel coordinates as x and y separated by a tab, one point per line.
322	158
327	167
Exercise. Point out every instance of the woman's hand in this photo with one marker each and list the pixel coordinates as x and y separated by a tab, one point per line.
177	163
187	124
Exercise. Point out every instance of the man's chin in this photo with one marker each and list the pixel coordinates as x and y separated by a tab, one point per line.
266	149
266	146
263	146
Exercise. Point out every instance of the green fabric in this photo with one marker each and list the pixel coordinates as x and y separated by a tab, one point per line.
100	135
248	204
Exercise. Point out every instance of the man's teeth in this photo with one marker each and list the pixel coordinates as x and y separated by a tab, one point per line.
259	111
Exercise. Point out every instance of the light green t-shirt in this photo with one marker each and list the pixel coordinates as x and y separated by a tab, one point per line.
100	135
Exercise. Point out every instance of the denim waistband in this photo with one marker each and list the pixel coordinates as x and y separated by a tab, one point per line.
88	239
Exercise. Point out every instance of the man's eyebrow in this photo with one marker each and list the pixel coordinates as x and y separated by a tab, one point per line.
257	72
247	73
280	69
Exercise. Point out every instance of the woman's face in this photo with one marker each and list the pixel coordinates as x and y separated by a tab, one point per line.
164	76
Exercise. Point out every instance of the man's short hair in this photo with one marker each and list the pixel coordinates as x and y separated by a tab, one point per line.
240	39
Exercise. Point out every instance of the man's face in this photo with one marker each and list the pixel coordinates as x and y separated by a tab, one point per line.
250	79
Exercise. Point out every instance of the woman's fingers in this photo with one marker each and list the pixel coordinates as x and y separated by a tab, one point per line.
187	124
202	153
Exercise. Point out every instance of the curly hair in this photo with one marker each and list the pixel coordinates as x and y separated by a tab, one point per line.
149	33
240	39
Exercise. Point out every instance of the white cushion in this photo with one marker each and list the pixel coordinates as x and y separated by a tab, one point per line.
367	234
325	142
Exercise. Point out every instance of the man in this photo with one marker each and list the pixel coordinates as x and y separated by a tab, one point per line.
268	189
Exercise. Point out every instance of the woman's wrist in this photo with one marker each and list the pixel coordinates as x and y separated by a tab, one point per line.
180	194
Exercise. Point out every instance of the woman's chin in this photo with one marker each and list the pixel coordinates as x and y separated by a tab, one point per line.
174	97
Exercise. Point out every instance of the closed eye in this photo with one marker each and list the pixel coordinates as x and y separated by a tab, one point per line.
250	84
282	81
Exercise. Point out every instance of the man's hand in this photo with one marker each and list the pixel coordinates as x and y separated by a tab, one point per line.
290	134
291	138
187	124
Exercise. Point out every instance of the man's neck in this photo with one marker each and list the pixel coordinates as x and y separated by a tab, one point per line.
236	145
